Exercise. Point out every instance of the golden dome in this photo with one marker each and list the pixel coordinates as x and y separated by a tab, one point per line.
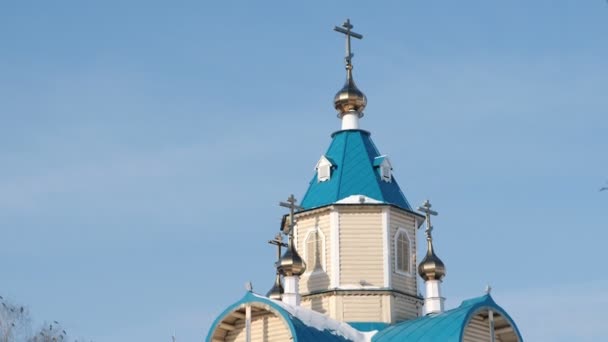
277	289
350	98
431	267
291	264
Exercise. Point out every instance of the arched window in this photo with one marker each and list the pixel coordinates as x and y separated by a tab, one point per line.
403	251
314	251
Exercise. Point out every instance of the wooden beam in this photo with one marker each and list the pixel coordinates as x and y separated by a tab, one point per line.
504	330
227	326
238	314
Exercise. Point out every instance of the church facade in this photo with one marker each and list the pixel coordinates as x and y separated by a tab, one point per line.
349	271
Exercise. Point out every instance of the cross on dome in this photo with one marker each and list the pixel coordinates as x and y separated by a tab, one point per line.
349	101
291	204
278	241
291	264
426	209
346	29
431	267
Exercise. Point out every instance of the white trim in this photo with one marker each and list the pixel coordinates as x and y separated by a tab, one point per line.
350	120
415	255
321	236
492	331
386	226
334	226
248	323
295	235
397	270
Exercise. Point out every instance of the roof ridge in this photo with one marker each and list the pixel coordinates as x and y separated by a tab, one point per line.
341	168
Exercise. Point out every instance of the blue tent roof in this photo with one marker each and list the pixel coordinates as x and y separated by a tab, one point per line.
447	326
354	172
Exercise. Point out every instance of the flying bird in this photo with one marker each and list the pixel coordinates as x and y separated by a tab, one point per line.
604	188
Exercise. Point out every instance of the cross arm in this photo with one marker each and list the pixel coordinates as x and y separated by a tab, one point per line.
348	32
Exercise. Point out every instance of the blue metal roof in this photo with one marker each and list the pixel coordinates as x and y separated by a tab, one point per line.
300	331
446	327
352	153
368	326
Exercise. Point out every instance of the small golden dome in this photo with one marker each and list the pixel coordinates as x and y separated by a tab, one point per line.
276	292
291	264
350	98
431	267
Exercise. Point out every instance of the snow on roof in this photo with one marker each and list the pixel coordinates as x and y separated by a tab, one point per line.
322	322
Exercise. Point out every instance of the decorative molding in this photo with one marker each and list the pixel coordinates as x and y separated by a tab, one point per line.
409	273
371	292
334	227
386	228
323	252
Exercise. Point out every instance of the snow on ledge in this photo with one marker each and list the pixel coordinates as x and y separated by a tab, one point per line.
358	199
322	322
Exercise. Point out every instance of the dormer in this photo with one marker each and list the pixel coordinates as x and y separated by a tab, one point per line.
383	164
323	168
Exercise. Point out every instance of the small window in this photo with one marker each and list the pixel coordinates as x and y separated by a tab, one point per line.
385	170
315	245
323	169
403	262
323	173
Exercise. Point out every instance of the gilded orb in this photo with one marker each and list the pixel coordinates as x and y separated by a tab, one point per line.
431	267
291	264
277	289
350	98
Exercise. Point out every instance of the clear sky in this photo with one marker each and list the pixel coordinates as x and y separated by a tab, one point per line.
144	146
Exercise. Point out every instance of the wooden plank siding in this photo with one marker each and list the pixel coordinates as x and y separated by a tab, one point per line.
362	309
264	328
317	303
361	246
478	330
404	309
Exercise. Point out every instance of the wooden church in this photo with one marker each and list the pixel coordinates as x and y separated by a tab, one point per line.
349	269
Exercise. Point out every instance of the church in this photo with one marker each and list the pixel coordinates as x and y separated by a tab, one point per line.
348	270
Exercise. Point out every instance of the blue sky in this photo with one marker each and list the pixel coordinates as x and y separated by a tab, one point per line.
144	146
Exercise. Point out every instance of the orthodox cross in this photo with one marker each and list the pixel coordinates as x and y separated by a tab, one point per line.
291	204
346	29
426	209
278	241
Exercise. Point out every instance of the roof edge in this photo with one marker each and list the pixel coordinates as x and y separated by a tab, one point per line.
250	297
